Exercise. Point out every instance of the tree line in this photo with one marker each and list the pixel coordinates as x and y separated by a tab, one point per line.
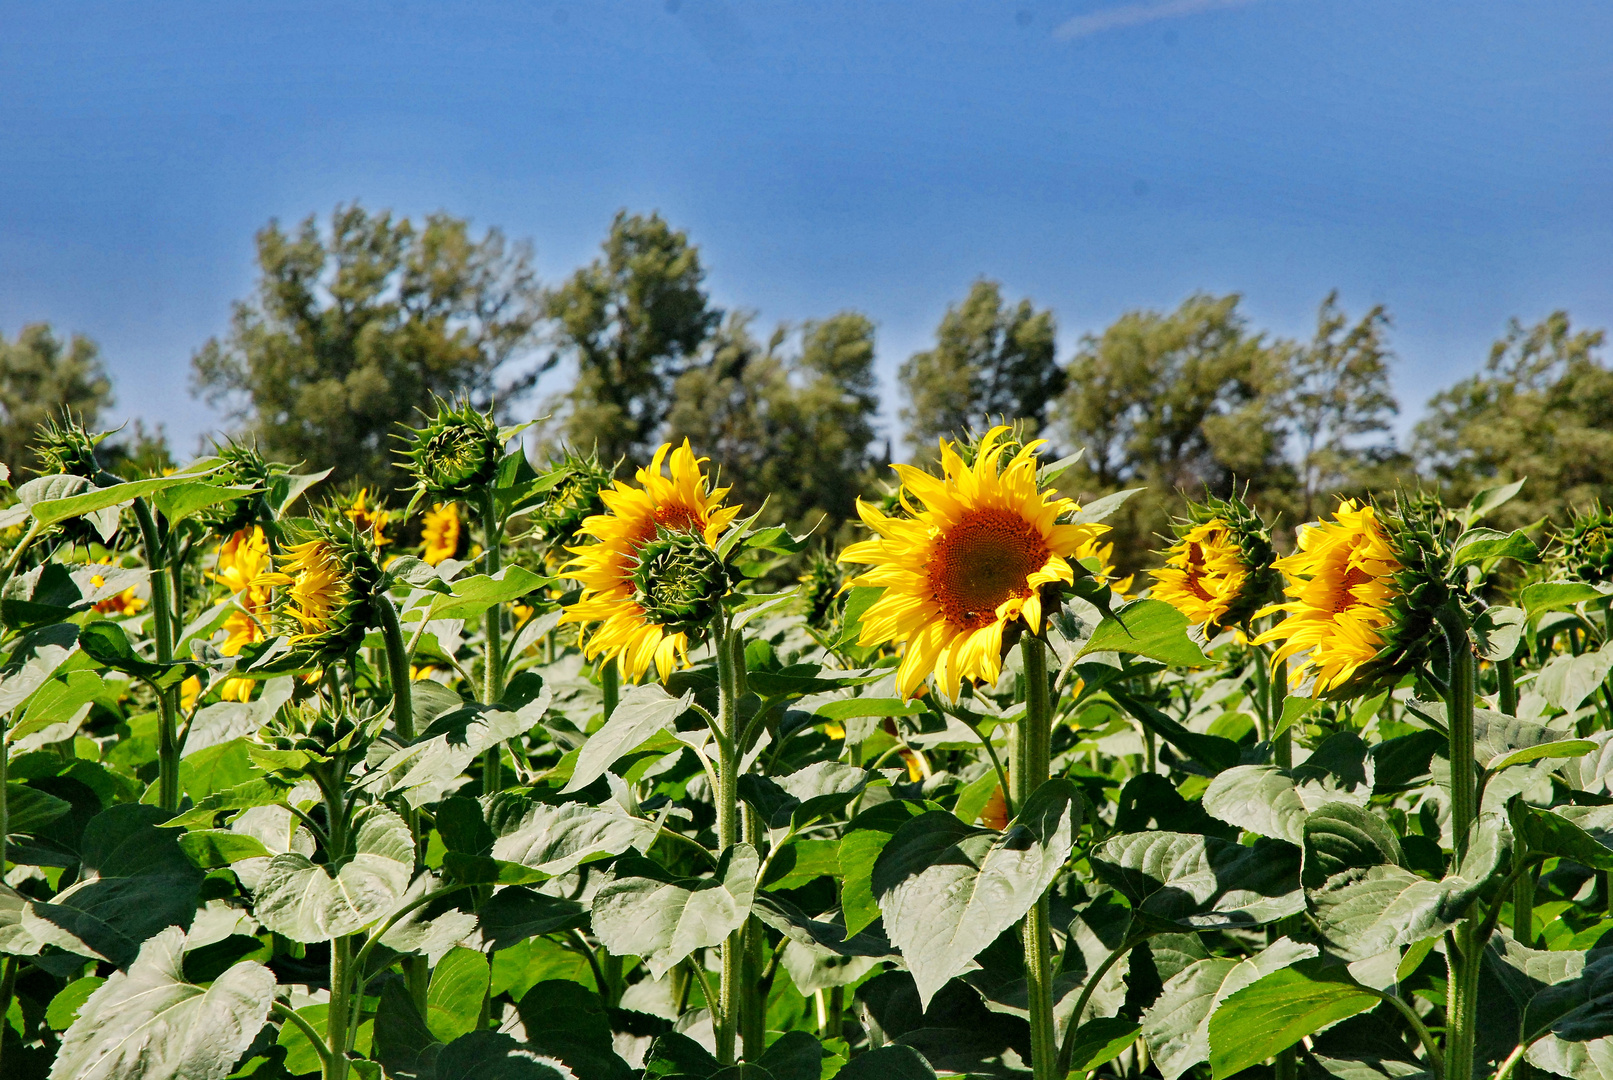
355	324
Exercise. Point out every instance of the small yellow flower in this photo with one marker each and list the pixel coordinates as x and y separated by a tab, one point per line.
1204	573
364	517
681	502
440	533
124	603
967	565
1341	581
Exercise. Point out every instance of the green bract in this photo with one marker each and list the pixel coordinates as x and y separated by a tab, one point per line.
456	454
679	581
573	498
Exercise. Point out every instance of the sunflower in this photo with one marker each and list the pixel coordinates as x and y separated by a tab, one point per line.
364	517
316	588
965	564
659	511
1099	557
124	603
1203	573
243	561
1342	581
439	533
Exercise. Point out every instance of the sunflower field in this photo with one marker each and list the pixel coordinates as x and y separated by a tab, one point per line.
582	772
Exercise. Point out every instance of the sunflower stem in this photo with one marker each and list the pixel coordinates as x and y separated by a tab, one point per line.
493	630
1033	752
1461	1016
727	799
163	633
397	658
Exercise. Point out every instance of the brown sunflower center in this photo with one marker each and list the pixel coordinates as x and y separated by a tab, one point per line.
1195	571
1347	598
674	517
982	561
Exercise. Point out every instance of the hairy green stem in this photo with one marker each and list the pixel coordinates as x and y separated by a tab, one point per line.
8	986
493	629
336	1016
1506	671
610	684
162	631
1067	1048
290	1016
1285	1065
727	800
397	662
1463	950
1033	753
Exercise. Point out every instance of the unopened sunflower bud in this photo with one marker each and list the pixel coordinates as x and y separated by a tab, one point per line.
575	497
821	591
455	454
679	581
240	466
1587	548
321	729
65	448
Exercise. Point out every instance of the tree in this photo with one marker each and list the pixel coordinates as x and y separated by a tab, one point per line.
40	378
352	331
1175	403
631	321
990	361
793	428
1541	408
1339	392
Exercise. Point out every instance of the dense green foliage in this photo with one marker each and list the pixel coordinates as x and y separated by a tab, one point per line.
378	817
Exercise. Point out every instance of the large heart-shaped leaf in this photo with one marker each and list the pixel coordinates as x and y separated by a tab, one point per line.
1200	881
643	711
1150	628
555	840
1258	798
150	1023
307	902
949	889
647	912
1277	1011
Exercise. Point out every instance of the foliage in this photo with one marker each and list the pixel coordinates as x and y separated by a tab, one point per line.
353	328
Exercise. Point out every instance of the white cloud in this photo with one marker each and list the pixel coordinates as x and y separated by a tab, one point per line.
1137	14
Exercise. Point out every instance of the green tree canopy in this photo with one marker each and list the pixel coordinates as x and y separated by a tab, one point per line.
1541	408
1175	403
793	427
990	360
41	376
632	321
1339	393
354	328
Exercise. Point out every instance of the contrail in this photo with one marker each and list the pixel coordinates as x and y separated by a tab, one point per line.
1136	14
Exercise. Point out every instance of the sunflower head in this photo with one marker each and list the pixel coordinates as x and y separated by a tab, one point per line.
65	448
679	580
1220	568
1586	551
822	597
440	532
1364	591
455	454
574	498
652	554
321	730
240	466
329	584
968	566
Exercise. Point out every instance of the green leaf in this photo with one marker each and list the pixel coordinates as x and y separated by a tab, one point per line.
454	999
800	679
1294	710
1150	628
1496	632
1488	501
555	840
1479	545
516	913
803	861
150	1023
1279	1010
1100	1041
948	889
1177	1025
646	912
1545	596
795	1055
1212	751
402	1043
473	595
57	702
211	848
134	881
865	837
107	644
887	1063
180	501
1550	833
1100	509
52	501
1202	882
66	1005
29	809
795	801
1340	837
1260	799
431	766
1566	681
308	902
644	711
1564	748
856	707
492	1055
260	792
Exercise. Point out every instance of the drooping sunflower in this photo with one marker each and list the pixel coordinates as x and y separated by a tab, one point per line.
1343	587
439	533
328	588
648	578
968	561
1221	568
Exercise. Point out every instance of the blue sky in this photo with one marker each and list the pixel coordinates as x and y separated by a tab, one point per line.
1453	160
